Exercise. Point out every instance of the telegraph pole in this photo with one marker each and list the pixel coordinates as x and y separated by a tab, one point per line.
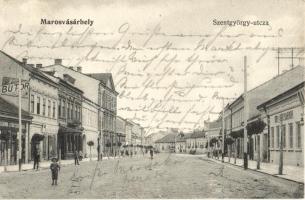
223	132
20	127
245	115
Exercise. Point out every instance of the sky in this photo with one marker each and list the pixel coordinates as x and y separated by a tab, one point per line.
170	62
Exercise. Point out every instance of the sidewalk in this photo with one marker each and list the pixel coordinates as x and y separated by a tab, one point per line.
46	164
293	173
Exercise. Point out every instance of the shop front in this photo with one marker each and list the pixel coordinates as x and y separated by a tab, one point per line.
9	128
69	141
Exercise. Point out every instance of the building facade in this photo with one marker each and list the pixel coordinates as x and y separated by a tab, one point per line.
121	131
260	143
90	127
92	101
69	118
39	98
109	107
285	114
196	142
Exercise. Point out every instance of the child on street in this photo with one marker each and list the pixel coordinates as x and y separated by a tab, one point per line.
54	169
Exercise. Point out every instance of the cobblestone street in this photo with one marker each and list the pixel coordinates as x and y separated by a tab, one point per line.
167	176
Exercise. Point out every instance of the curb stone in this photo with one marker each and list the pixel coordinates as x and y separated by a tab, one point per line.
256	170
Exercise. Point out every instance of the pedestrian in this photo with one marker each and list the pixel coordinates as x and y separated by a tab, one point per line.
76	157
36	155
101	154
80	155
151	153
55	168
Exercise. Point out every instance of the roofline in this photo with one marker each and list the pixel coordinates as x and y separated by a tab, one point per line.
100	82
21	65
71	86
241	95
280	95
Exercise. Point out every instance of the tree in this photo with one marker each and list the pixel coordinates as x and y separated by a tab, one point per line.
90	144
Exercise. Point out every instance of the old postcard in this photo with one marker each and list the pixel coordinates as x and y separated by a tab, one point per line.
150	99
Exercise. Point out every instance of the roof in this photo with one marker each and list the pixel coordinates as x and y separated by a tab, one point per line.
272	88
281	95
59	80
198	134
184	137
167	139
213	124
213	132
12	110
103	77
31	69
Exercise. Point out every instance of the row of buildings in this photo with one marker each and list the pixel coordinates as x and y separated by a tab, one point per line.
278	103
62	110
180	142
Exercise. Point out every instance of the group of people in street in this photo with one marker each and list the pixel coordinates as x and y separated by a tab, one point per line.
78	156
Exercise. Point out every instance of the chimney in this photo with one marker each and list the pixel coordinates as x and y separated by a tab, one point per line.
31	65
71	67
79	69
39	66
57	61
24	60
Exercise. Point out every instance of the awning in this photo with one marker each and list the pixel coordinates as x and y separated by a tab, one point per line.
37	137
63	129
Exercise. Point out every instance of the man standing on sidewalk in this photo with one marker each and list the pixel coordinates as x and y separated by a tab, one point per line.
36	158
151	151
76	157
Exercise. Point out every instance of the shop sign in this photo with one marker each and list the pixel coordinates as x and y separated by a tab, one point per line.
15	125
4	124
10	87
284	116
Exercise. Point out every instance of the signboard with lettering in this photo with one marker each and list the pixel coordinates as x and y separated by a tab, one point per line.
10	87
284	116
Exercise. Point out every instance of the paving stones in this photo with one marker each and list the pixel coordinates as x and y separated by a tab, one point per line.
171	176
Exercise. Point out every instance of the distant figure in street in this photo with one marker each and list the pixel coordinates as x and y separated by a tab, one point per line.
80	155
54	169
151	152
101	154
98	152
76	157
36	158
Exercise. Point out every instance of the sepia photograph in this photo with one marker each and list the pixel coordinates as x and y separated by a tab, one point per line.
152	99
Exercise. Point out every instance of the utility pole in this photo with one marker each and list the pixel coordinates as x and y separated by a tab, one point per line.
278	61
20	127
223	132
281	147
245	115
